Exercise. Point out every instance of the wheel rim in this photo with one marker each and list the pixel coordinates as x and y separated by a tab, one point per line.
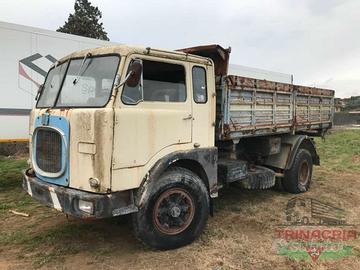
304	172
173	211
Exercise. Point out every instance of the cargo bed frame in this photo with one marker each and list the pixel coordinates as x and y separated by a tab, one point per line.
248	107
251	107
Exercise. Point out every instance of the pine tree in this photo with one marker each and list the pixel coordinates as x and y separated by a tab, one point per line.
85	21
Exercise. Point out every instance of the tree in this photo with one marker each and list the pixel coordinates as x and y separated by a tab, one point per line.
85	21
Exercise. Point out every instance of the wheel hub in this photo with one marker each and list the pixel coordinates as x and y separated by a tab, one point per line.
173	211
304	172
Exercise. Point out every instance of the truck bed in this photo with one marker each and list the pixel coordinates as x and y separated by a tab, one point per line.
248	107
251	107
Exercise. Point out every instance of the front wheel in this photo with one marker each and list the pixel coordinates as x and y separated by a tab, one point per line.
174	210
297	179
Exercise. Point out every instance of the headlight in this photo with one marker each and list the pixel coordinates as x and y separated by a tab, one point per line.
94	183
87	207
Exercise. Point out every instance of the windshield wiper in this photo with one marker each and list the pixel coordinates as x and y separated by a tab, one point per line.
81	66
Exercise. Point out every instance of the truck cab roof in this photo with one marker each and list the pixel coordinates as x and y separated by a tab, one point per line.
125	50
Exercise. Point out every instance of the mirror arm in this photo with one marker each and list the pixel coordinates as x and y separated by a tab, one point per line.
125	80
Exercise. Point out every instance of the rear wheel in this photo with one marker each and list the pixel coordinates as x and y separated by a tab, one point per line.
297	179
174	210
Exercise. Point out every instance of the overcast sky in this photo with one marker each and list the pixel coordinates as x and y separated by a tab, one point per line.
318	41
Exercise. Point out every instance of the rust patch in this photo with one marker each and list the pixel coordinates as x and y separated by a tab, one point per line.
313	91
218	54
233	81
246	82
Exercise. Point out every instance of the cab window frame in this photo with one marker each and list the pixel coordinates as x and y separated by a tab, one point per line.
68	60
193	86
141	82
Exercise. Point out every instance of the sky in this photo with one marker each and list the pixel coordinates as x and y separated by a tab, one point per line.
318	41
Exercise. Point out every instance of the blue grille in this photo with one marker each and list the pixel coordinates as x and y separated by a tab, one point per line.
51	149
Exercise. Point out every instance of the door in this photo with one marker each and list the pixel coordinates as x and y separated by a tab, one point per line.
203	87
153	116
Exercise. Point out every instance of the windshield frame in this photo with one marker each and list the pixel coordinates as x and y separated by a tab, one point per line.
67	61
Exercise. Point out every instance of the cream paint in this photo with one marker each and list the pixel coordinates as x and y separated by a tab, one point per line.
203	126
141	132
129	140
144	129
91	126
147	132
129	178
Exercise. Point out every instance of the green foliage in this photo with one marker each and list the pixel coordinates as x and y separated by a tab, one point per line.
85	21
352	103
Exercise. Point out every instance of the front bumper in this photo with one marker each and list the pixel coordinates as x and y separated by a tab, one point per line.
66	199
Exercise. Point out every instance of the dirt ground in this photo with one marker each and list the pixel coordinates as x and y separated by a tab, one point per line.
241	235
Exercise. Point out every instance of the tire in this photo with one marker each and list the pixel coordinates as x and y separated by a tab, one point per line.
298	178
278	184
260	178
174	210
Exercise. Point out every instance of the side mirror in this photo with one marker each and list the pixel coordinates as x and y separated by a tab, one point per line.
134	74
41	88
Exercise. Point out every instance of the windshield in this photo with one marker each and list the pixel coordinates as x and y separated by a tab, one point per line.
52	86
86	84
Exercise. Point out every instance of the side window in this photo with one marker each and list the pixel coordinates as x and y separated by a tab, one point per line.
162	82
199	84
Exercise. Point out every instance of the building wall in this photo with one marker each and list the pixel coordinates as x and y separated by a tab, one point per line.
346	118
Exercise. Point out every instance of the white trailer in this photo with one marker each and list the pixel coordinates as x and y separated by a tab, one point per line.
260	74
26	53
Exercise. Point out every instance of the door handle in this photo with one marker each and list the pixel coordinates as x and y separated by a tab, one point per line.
189	117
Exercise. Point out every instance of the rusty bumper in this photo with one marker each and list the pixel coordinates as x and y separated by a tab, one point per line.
67	200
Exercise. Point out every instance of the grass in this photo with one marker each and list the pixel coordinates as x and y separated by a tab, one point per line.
45	245
340	151
50	244
11	194
10	172
13	198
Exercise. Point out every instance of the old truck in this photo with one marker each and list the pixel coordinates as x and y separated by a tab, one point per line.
155	133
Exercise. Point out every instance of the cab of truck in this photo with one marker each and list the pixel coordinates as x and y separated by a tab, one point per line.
109	122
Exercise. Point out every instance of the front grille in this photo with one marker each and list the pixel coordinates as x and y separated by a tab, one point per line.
48	150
